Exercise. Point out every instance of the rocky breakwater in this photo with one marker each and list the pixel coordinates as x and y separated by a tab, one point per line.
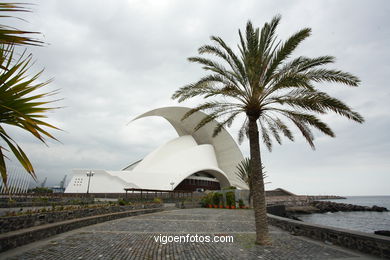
328	206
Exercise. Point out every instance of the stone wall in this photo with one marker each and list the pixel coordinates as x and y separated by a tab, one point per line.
12	223
289	200
297	200
38	201
363	242
21	237
277	210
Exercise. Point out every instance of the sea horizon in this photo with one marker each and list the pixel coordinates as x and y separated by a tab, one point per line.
364	221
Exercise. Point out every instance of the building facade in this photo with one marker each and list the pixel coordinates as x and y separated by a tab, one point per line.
195	159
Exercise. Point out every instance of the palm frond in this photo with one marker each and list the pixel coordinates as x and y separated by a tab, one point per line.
226	54
265	136
336	76
243	171
227	122
243	132
23	104
13	36
262	80
285	50
283	128
302	64
268	34
304	121
319	102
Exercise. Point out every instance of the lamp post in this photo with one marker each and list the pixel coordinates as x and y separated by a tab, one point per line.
89	174
172	183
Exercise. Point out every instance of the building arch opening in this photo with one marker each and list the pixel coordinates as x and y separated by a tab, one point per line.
202	180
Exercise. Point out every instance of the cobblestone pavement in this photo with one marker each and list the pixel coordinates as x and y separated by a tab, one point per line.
133	238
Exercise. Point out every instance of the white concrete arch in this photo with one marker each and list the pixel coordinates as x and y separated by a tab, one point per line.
189	153
227	152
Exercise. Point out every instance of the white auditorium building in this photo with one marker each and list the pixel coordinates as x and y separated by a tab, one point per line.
192	160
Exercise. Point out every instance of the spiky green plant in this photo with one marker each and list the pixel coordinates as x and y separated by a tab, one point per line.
11	35
23	104
244	173
266	85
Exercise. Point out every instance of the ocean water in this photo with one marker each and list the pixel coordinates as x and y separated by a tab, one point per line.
359	221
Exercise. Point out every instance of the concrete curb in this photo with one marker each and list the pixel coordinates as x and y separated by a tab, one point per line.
25	236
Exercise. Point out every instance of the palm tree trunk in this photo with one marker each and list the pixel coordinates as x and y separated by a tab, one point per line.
250	196
258	194
250	192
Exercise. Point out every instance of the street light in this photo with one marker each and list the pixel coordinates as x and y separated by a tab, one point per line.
172	183
89	174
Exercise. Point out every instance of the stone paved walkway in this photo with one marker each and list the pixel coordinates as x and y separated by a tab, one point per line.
132	238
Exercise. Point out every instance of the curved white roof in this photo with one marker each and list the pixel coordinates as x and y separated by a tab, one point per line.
191	152
227	152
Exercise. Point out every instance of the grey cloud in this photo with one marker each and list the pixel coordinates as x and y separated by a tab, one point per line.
116	60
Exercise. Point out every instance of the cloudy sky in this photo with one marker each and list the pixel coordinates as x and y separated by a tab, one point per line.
113	60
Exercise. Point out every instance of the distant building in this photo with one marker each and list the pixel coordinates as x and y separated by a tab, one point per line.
194	160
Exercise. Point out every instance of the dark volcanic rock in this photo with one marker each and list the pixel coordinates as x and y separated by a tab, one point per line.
379	209
328	206
383	232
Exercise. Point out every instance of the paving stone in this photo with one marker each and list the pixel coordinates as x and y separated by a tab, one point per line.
133	238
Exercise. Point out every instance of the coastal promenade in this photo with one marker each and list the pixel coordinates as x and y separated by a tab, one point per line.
133	238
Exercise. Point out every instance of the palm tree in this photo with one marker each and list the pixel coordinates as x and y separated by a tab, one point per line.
10	35
23	104
266	85
244	173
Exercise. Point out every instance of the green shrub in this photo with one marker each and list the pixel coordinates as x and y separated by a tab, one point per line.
216	198
42	199
122	202
207	199
45	200
220	195
230	198
74	201
203	202
230	188
40	190
241	203
157	200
